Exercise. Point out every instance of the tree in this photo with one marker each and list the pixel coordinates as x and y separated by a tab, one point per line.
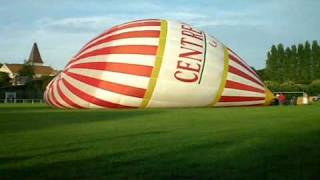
4	79
262	74
294	63
289	86
45	81
314	87
273	86
299	67
288	69
316	58
271	69
299	63
27	71
280	63
303	87
307	63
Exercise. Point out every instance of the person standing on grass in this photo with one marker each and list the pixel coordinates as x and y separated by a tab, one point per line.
282	99
293	101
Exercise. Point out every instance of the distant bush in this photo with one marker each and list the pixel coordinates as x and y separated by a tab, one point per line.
289	86
303	87
314	87
272	85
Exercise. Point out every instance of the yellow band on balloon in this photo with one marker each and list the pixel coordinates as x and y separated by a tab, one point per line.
224	77
269	97
157	65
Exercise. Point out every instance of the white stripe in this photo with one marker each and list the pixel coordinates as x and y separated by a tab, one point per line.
121	42
239	67
119	78
241	93
104	94
56	94
140	28
74	98
239	79
137	59
243	103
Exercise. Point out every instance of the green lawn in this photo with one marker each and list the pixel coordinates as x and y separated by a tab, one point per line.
38	142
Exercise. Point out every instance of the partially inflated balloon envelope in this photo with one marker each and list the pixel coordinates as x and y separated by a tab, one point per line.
155	63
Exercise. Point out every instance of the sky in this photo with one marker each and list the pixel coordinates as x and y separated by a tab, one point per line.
62	27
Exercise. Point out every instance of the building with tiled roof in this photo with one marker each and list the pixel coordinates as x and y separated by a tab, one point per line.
38	68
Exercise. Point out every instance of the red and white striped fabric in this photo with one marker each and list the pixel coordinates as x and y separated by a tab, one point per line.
243	86
111	71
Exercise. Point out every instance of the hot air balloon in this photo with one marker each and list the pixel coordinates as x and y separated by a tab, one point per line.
156	63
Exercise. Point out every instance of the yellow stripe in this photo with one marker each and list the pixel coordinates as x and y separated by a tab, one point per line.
269	97
224	77
157	65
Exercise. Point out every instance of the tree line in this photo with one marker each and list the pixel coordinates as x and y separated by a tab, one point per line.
293	68
298	63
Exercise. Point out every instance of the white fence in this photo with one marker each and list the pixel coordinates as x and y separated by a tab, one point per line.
32	101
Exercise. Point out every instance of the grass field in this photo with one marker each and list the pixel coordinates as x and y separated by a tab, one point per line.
38	142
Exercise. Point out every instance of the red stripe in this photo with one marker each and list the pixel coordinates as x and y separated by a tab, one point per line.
244	75
54	97
125	26
66	99
239	99
125	49
236	85
109	86
139	70
140	20
125	35
90	98
251	105
240	62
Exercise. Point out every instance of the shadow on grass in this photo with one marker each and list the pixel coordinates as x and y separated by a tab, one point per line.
25	121
119	165
294	157
88	143
16	159
23	107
